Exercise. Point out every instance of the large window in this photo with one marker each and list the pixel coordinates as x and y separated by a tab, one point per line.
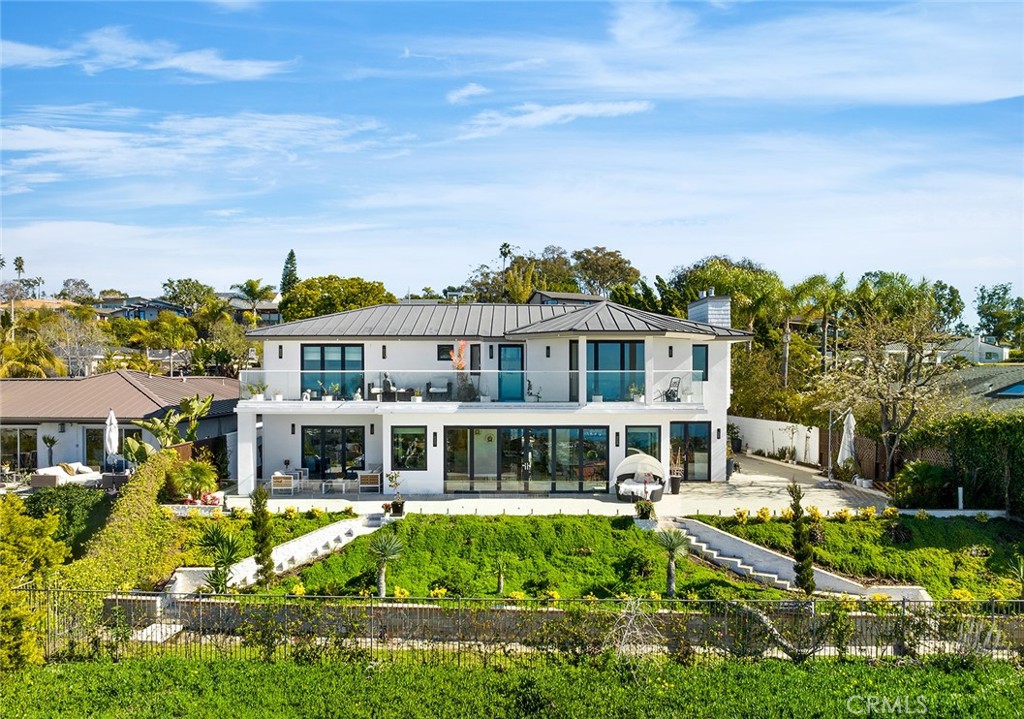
335	370
613	368
330	452
18	448
644	439
95	455
526	459
409	448
690	448
700	361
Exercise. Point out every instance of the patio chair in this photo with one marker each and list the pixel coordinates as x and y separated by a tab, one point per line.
282	483
672	393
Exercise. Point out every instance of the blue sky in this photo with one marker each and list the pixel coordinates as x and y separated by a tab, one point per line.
406	141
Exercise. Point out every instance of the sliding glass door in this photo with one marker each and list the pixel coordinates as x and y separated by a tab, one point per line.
690	447
329	452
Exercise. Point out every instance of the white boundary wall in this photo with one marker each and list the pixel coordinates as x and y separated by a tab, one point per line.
771	436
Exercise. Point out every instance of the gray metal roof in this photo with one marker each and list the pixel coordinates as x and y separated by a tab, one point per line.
976	383
487	321
611	317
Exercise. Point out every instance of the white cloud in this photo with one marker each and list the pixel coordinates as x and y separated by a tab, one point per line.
466	92
236	5
649	24
531	116
111	48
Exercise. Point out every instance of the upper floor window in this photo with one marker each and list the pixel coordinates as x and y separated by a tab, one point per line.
335	370
613	368
700	361
444	352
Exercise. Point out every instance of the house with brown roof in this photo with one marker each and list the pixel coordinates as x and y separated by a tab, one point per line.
74	409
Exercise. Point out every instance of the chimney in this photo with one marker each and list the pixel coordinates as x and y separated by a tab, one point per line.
711	309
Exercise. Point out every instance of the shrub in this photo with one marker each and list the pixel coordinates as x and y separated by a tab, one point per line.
981	517
742	516
898	533
638	564
290	513
842	515
922	515
401	593
867	513
519	596
441	592
190	479
961	595
921	484
816	534
239	512
764	514
891	513
81	512
786	515
814	513
315	513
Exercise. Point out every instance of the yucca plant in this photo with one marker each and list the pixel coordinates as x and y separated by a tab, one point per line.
384	548
672	541
225	549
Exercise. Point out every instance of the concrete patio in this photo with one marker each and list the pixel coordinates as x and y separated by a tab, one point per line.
760	483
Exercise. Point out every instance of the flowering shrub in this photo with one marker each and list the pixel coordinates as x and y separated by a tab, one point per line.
590	597
961	595
764	514
867	513
814	513
890	513
439	592
786	515
290	513
315	513
742	515
550	595
981	517
842	515
216	514
401	593
386	507
654	595
297	590
517	595
922	515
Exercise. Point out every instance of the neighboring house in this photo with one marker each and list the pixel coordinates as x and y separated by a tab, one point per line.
137	308
545	402
74	411
977	350
997	388
543	297
267	312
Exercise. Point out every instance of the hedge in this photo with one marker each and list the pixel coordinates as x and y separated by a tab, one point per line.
129	552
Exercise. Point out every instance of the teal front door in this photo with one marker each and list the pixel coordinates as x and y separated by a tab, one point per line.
510	373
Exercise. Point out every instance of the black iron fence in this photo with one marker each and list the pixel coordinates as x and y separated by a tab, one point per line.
85	624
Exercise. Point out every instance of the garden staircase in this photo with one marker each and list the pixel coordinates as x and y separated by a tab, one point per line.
702	544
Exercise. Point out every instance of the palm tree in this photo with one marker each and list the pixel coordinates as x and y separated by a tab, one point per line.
30	357
384	548
672	541
794	300
827	297
253	292
226	550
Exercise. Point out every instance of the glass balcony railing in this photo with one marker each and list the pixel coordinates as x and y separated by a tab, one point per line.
515	386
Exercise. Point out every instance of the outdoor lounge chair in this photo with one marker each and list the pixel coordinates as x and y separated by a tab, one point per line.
282	483
370	480
672	393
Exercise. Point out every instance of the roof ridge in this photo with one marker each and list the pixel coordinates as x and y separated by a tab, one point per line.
130	377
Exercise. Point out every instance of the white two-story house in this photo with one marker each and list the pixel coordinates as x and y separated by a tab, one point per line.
490	398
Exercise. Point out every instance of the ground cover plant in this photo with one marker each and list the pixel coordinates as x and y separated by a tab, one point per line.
81	512
232	689
547	557
960	554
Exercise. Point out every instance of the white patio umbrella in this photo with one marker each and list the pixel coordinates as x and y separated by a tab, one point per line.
847	445
639	464
110	436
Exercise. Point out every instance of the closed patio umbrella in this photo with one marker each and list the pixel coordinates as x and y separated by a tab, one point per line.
847	444
110	436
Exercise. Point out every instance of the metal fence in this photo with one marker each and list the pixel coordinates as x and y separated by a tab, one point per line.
86	624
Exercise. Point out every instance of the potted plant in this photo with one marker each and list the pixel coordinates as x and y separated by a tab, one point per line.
278	395
398	503
417	395
49	440
730	462
735	439
646	518
256	390
531	395
637	390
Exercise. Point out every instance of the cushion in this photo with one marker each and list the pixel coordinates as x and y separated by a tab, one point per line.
84	470
66	467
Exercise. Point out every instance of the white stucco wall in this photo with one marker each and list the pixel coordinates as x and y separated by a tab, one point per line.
772	436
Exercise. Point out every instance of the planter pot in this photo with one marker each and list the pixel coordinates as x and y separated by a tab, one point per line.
416	398
737	445
730	467
327	398
485	398
675	483
257	397
532	398
597	398
646	524
639	398
398	509
279	398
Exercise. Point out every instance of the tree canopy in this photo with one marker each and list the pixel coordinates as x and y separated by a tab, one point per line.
289	274
318	296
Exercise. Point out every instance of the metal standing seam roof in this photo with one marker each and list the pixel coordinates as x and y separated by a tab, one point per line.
489	321
131	394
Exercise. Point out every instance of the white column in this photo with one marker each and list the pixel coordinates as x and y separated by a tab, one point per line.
648	369
582	364
246	453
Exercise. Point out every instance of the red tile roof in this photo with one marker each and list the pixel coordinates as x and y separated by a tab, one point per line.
131	394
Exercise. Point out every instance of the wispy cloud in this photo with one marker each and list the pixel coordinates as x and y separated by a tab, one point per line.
235	5
465	92
531	116
111	48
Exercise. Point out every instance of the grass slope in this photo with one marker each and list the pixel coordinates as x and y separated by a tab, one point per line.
574	556
162	688
943	554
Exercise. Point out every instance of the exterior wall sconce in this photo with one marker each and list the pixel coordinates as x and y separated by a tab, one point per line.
435	439
293	428
616	439
383	351
280	351
670	350
490	351
547	351
61	427
371	428
718	433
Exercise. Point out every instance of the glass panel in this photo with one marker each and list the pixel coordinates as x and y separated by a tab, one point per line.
539	460
612	368
312	452
699	467
355	440
456	458
485	459
27	448
409	448
595	458
644	439
700	361
513	476
94	446
567	459
9	447
474	359
574	366
510	379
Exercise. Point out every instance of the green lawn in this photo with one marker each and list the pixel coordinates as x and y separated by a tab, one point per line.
942	555
140	689
573	556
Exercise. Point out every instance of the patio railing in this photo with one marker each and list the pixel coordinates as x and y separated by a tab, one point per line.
515	386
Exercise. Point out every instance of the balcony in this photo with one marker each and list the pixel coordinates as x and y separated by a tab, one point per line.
482	386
